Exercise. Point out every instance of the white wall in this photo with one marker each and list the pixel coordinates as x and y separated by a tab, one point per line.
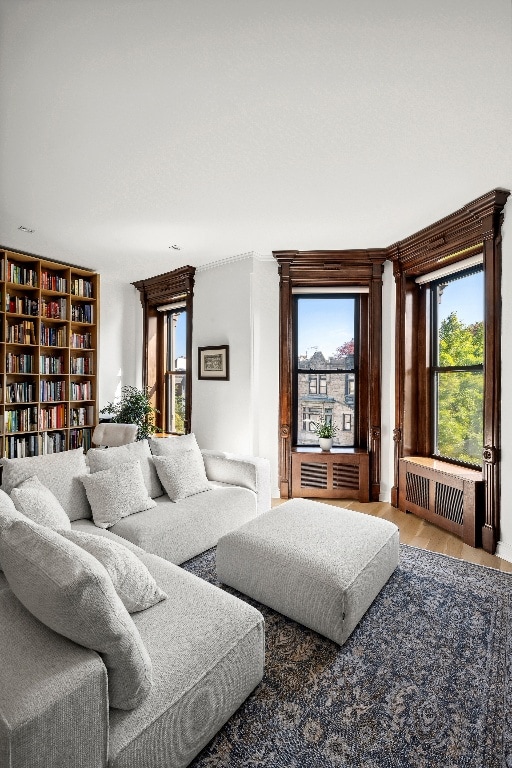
120	344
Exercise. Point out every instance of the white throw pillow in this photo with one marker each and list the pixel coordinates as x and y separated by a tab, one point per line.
60	472
165	446
100	459
38	503
132	581
68	590
182	474
116	493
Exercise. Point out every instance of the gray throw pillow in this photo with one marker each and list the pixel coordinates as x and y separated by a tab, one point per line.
164	446
68	590
132	581
182	474
116	493
8	513
100	459
60	472
38	503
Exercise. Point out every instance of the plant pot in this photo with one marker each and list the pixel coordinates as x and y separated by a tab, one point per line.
325	443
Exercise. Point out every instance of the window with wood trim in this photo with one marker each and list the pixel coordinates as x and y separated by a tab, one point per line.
341	384
167	302
422	375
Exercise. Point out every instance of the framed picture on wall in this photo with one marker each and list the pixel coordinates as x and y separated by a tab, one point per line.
213	362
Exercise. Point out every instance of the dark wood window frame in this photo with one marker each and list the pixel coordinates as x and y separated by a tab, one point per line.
475	228
332	269
169	288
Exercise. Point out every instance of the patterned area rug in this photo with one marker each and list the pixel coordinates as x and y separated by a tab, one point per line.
424	680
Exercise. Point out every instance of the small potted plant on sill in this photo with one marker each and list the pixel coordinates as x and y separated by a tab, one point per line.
326	431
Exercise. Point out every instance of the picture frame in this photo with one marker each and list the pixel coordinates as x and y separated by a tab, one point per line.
213	362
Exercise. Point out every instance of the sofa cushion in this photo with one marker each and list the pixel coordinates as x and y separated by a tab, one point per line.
8	513
132	581
60	472
68	590
163	446
182	474
180	530
207	648
39	504
100	459
116	492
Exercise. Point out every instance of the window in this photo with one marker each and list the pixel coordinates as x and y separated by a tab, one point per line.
325	376
457	370
167	303
176	367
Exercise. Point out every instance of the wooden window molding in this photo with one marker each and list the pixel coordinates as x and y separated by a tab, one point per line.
475	228
155	292
332	269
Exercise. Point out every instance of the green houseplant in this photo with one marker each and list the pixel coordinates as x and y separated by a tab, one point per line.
134	407
325	431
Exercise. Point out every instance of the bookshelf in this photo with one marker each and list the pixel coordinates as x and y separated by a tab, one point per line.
48	355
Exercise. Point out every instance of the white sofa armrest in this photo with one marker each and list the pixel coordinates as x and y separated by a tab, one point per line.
53	695
245	471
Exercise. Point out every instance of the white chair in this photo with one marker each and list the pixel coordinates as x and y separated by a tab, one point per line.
111	435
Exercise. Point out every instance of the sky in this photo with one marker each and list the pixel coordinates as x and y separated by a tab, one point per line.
465	297
324	324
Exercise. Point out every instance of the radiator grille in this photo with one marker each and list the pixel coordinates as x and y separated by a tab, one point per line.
345	476
313	475
416	490
449	503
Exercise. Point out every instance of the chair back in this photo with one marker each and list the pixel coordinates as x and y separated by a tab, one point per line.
112	435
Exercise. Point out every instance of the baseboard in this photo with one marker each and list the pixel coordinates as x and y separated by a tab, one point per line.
504	551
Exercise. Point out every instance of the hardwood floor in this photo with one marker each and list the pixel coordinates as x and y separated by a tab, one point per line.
419	533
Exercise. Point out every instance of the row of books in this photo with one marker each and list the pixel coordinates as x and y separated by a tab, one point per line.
54	308
21	305
81	313
53	281
51	364
21	419
80	390
81	340
21	333
52	391
19	363
81	365
20	392
53	337
17	273
17	447
81	417
53	417
81	287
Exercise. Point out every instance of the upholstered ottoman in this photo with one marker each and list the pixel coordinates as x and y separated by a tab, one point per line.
317	564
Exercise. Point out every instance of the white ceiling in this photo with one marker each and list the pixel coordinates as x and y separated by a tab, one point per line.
229	126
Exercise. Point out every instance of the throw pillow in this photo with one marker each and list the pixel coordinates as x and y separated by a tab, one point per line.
60	472
182	474
132	581
8	513
38	503
68	590
164	446
100	459
116	493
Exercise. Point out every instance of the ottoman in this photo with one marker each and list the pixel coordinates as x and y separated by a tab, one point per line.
318	564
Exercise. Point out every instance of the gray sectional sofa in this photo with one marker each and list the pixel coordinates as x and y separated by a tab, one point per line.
82	689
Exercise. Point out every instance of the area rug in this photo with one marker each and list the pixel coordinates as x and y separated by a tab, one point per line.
423	681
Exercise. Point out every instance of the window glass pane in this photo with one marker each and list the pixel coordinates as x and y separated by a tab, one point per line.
177	340
460	321
175	402
459	415
325	331
332	406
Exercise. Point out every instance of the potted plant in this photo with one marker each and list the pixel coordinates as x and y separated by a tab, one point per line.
134	407
326	431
